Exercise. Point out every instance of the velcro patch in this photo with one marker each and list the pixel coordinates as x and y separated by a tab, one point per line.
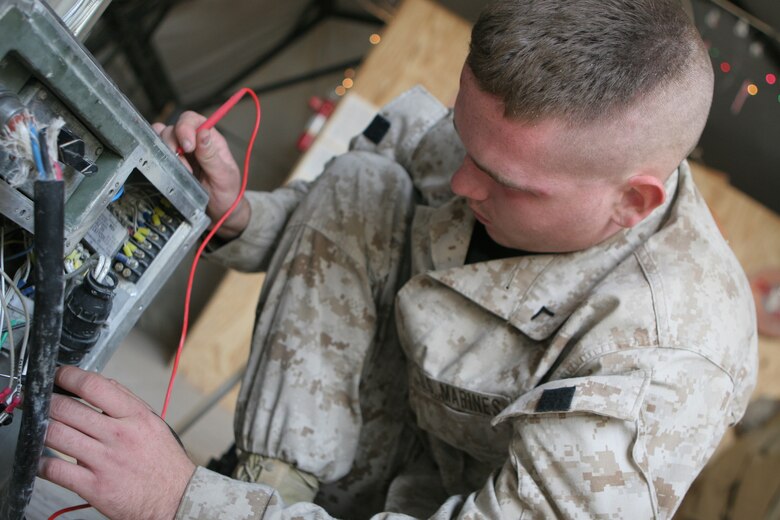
556	399
377	129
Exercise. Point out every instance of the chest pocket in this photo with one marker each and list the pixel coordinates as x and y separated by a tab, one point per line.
459	416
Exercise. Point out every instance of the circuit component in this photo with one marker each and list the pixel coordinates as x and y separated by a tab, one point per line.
150	221
10	107
73	152
87	309
128	202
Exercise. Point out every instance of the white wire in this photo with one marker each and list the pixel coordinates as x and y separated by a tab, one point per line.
11	343
22	362
121	212
17	367
103	268
23	273
4	312
2	268
27	265
19	275
52	133
98	268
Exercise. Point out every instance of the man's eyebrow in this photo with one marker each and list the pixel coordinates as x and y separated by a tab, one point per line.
500	179
493	175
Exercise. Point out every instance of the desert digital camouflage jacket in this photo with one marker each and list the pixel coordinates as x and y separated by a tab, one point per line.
594	384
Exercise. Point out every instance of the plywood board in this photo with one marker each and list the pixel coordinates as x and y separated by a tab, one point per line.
424	44
753	232
218	343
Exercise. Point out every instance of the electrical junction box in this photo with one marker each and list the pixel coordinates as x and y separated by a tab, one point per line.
130	205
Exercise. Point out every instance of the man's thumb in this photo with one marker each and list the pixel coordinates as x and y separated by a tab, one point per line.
206	151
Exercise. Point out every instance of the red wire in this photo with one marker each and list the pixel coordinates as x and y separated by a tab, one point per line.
68	510
209	123
57	171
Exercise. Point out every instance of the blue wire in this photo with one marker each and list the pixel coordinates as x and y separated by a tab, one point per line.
119	194
19	255
36	149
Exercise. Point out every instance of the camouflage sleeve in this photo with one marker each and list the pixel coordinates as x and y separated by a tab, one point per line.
210	495
252	250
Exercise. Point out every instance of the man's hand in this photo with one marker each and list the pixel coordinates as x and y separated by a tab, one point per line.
207	156
129	465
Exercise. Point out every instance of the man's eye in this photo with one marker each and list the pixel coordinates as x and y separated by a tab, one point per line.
516	189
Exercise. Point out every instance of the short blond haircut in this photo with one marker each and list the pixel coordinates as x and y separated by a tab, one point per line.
589	63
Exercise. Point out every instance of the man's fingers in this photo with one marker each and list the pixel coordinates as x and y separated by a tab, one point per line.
169	138
99	391
78	415
77	478
207	152
73	443
185	129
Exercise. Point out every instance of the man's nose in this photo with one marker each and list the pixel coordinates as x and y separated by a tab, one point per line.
469	182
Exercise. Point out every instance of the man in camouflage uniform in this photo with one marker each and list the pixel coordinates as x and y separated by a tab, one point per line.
519	308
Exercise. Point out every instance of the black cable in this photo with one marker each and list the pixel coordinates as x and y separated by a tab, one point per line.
47	325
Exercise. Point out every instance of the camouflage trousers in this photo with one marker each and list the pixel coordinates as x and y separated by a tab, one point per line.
325	389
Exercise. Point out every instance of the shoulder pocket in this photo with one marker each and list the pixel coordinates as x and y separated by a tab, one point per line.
397	129
618	396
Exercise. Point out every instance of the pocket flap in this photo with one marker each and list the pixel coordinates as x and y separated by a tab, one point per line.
618	396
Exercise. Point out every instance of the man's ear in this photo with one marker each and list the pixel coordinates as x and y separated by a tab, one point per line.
640	195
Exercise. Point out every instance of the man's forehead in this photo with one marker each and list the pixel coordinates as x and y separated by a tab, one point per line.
550	146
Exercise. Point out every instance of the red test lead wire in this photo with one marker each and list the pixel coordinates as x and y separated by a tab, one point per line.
214	118
68	510
209	123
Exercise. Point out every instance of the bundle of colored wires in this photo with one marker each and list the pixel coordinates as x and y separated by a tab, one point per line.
42	144
10	286
40	155
208	124
36	149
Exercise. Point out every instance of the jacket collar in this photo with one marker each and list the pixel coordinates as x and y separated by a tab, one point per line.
534	293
